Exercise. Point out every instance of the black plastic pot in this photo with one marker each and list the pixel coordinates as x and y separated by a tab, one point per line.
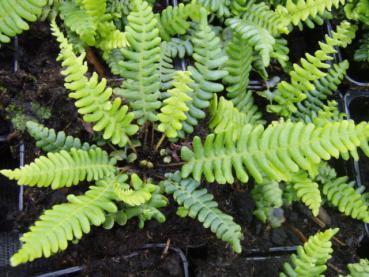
357	72
357	108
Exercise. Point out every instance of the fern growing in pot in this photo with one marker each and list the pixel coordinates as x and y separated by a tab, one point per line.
285	157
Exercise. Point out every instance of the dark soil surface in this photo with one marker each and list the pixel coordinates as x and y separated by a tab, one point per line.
118	252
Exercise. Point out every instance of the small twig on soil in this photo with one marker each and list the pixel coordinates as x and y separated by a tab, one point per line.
92	59
299	233
152	136
124	168
160	142
319	222
340	242
165	251
335	268
146	127
132	146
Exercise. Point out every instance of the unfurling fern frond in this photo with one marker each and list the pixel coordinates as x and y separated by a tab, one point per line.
174	108
64	223
146	211
209	58
227	118
307	191
136	193
198	203
268	201
360	269
220	7
50	141
298	11
274	153
302	77
92	97
312	257
15	14
64	169
308	109
362	53
173	20
140	67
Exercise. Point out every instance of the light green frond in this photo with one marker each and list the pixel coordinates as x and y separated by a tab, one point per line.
360	269
64	169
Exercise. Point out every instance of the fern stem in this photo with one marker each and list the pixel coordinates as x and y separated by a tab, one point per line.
160	142
131	145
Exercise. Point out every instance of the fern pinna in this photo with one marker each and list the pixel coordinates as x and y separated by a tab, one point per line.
92	96
274	152
198	203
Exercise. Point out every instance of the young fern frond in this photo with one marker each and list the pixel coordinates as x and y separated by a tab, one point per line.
302	77
66	222
64	169
324	87
173	20
15	16
268	201
92	96
360	269
140	67
209	58
298	11
274	152
312	257
175	106
227	118
199	204
307	191
51	141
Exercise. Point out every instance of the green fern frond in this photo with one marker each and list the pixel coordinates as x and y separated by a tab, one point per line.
64	169
238	7
308	109
79	21
51	141
180	47
281	52
92	97
110	38
166	68
64	223
174	108
198	203
15	16
318	19
307	191
134	194
362	53
360	269
297	11
220	7
268	201
274	153
94	8
302	77
209	58
341	193
140	67
312	257
227	118
238	66
173	20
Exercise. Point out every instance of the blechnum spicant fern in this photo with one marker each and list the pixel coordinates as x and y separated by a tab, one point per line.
284	157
